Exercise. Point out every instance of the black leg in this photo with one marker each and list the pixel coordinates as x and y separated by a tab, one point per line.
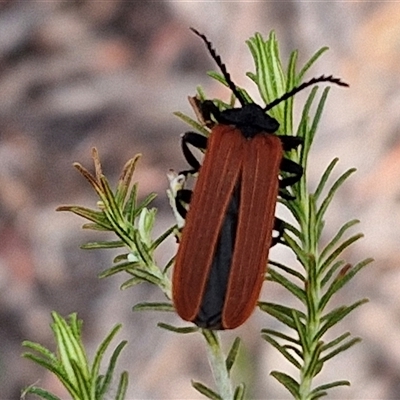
279	227
293	168
290	142
284	194
208	109
183	196
204	110
196	140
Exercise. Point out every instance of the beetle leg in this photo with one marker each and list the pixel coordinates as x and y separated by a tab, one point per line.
290	142
284	194
200	142
183	196
196	140
279	226
208	109
204	110
293	168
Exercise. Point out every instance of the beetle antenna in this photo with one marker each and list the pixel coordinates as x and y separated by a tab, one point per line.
221	66
299	88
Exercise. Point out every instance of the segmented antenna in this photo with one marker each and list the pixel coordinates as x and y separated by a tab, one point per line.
299	88
221	66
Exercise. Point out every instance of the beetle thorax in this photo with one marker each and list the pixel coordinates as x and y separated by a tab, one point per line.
251	119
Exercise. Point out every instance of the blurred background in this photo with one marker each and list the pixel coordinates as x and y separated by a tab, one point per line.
84	73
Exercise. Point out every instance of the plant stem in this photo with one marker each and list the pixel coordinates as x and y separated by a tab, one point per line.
313	294
217	361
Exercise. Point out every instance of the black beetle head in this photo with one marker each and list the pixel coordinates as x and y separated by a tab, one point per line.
251	119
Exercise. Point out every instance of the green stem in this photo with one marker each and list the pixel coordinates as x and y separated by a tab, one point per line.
217	361
313	294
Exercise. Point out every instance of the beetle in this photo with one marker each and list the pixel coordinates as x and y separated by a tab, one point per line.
223	251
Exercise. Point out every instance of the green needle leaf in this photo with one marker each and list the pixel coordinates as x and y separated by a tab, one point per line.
288	270
290	384
122	386
336	341
325	178
332	191
340	349
283	350
233	352
191	122
287	284
240	392
280	335
184	330
311	62
341	280
206	391
330	386
154	307
336	315
38	392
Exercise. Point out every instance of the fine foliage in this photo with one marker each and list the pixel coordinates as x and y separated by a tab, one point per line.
319	274
71	366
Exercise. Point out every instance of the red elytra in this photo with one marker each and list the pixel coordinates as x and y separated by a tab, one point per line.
253	166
